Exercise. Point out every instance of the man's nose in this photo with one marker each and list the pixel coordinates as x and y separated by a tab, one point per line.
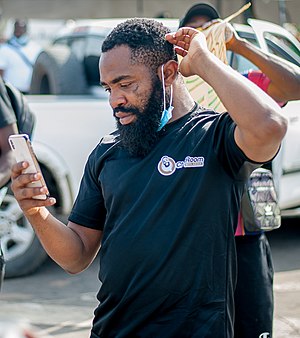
117	99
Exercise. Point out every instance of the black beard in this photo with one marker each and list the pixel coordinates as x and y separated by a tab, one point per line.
139	137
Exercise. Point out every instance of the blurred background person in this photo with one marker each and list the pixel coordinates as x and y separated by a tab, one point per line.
17	57
254	303
8	126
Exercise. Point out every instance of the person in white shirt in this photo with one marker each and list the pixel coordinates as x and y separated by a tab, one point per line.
17	57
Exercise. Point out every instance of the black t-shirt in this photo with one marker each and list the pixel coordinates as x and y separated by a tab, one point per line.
7	115
167	260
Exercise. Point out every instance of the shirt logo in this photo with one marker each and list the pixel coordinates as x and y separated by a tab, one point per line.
264	335
167	165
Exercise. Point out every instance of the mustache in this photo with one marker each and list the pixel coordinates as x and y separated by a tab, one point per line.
130	110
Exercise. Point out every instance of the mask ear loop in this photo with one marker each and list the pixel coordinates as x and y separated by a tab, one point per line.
164	89
171	95
163	84
167	113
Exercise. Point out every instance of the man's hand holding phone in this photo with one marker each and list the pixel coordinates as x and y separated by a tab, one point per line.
28	184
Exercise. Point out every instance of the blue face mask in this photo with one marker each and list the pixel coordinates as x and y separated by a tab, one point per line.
167	113
20	41
23	40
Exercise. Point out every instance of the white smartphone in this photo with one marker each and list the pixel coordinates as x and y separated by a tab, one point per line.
22	150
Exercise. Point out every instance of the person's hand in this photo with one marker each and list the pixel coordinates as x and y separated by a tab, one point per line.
191	45
231	37
230	32
24	194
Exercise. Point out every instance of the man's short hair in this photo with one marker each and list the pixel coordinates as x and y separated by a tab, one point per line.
200	9
145	38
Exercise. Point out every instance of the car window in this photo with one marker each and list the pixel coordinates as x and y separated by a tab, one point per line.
277	44
282	41
238	62
283	47
62	41
78	47
93	45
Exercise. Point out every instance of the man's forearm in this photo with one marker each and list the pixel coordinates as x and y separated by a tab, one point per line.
285	76
243	99
61	243
260	124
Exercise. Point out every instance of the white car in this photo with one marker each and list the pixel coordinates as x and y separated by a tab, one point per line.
68	127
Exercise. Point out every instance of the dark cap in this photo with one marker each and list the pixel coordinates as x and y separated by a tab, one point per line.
200	9
20	23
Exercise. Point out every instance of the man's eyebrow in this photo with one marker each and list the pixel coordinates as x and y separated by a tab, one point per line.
116	80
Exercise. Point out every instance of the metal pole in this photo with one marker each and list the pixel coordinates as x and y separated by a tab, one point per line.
282	12
140	7
219	6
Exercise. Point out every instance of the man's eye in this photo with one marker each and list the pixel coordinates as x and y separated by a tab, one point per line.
107	89
125	85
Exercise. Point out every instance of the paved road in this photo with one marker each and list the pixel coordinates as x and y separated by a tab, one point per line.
61	306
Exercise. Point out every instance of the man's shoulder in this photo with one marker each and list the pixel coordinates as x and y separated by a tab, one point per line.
107	141
203	113
104	149
110	139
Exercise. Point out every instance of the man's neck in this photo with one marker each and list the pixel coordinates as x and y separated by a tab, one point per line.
182	101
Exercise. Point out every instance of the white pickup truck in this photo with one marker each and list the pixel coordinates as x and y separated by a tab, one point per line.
69	127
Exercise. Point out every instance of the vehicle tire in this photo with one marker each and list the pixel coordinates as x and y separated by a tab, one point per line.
21	248
2	267
58	71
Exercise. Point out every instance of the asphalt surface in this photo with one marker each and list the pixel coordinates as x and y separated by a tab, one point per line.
60	305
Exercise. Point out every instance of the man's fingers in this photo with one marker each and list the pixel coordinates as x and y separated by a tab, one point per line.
17	169
20	186
25	196
21	180
180	51
26	193
32	206
184	33
182	41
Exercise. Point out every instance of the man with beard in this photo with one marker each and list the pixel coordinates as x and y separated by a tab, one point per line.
161	194
145	127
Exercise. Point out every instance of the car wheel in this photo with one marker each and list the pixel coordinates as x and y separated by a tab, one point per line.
2	267
21	248
58	71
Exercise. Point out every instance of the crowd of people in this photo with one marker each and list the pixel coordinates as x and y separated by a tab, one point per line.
160	197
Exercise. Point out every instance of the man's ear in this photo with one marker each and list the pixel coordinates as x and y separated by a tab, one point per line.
170	72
